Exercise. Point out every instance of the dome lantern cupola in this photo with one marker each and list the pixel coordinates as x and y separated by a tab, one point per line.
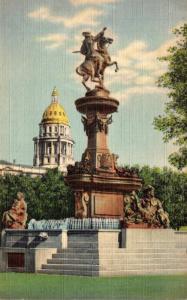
55	95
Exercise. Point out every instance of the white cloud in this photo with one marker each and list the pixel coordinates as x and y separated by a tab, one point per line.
123	76
92	2
139	69
142	80
136	90
86	16
53	41
127	55
41	13
137	55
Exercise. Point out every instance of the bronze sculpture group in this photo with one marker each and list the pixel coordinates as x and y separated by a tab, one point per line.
16	216
147	210
96	58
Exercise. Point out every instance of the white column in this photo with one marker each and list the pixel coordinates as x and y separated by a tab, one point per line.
37	153
59	146
45	148
52	148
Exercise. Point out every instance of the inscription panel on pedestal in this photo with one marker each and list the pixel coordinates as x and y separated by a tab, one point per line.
109	204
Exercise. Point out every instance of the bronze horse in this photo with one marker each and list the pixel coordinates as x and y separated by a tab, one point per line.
88	68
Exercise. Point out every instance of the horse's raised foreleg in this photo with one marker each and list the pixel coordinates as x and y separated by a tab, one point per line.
117	68
109	64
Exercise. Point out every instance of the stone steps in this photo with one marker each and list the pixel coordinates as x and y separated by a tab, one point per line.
115	244
143	266
113	273
75	255
78	250
83	245
145	250
118	255
109	267
71	266
122	250
69	272
88	255
113	267
116	261
107	264
120	272
65	261
141	255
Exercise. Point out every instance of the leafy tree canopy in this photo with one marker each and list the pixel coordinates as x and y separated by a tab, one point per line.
174	123
47	197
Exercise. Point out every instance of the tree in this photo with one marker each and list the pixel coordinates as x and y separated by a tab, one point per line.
55	198
174	123
47	197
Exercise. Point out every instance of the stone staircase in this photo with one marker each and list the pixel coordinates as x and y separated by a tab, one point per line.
144	261
98	254
80	258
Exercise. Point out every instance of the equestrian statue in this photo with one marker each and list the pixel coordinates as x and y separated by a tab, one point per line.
97	58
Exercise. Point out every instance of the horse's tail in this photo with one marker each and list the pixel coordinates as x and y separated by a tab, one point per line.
78	71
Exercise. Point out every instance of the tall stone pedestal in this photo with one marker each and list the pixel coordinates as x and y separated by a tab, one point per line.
98	183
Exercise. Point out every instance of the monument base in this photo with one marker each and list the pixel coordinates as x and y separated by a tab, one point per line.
105	192
101	252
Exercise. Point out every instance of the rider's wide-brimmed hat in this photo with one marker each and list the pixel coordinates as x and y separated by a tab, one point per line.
86	33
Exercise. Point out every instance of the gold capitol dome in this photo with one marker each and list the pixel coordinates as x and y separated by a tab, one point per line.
55	112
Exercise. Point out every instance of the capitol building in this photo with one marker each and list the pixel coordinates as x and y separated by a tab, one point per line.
53	147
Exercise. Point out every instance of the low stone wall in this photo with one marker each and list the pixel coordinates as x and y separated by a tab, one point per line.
32	259
94	238
134	238
31	238
27	250
181	239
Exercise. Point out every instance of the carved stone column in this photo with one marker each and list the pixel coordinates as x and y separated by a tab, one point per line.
97	173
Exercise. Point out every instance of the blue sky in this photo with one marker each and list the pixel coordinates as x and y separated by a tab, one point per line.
36	43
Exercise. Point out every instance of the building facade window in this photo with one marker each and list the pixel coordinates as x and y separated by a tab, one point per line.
63	147
55	148
62	130
48	148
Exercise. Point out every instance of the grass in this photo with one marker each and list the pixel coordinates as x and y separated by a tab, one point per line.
35	286
183	228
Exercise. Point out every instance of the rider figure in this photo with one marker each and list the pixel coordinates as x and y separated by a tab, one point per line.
90	52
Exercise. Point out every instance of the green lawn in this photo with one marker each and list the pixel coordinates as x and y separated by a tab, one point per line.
32	286
183	228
